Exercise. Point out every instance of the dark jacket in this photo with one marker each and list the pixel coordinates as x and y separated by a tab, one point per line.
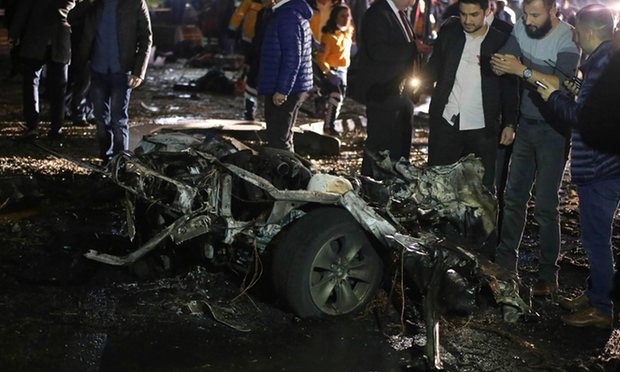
286	59
500	94
134	35
587	164
599	118
385	58
39	23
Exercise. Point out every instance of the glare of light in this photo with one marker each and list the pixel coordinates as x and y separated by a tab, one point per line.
414	82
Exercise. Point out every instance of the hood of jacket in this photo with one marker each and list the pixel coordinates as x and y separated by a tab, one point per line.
299	6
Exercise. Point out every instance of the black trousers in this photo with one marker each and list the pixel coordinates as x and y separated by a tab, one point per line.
389	127
447	144
56	87
280	120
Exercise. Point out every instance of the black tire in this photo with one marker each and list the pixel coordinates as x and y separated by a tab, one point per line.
325	265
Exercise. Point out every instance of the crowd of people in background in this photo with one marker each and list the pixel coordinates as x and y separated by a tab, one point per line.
500	73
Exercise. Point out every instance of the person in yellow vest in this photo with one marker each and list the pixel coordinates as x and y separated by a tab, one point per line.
245	16
322	10
333	59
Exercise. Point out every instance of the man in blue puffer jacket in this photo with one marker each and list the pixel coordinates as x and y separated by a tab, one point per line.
596	174
285	74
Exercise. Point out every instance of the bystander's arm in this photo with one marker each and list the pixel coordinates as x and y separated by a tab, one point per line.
510	108
510	64
289	34
430	70
145	41
324	51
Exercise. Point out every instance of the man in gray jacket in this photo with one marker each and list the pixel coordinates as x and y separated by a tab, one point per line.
117	41
41	31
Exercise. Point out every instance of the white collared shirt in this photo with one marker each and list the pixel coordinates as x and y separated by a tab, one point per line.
465	99
402	25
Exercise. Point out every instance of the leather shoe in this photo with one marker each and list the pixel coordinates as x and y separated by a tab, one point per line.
30	134
577	303
543	288
80	122
590	316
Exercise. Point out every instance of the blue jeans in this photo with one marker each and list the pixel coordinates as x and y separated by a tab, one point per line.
539	154
110	96
598	202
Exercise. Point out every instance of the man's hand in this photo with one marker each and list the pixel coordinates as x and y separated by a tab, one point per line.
572	87
278	99
133	81
548	89
506	64
423	48
507	137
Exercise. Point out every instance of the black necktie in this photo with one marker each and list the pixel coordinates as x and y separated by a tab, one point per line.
408	30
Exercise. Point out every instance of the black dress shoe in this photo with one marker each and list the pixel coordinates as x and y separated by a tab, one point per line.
56	139
30	134
81	122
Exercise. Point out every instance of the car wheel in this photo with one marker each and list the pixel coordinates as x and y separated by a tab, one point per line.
325	265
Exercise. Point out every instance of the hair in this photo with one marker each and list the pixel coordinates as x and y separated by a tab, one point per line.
547	3
331	25
597	18
484	4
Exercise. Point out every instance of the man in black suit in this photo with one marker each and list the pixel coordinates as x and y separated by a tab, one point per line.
386	58
470	103
41	29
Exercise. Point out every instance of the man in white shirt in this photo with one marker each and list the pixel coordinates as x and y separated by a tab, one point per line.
470	104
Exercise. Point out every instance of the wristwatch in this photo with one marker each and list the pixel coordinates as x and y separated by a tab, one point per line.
527	73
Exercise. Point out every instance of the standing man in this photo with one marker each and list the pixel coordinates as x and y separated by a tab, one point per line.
117	41
466	106
596	173
386	57
41	29
540	47
285	72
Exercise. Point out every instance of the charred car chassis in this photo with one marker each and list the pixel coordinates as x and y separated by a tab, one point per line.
328	238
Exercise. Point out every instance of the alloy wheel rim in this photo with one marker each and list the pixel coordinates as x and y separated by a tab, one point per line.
342	274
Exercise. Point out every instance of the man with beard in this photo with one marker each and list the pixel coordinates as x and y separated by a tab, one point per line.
540	48
466	106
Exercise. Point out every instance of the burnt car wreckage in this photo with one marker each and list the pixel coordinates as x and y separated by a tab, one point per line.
330	241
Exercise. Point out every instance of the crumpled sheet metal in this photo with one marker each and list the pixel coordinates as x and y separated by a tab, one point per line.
451	191
505	289
167	142
507	293
124	164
